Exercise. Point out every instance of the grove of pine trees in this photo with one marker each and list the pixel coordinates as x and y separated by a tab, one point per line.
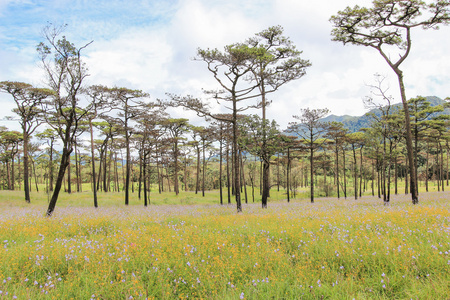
116	139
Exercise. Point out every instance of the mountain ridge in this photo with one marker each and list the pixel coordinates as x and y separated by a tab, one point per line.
355	123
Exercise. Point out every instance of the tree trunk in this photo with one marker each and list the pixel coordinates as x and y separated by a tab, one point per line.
94	187
441	171
69	176
409	147
197	184
288	171
355	173
426	169
175	179
186	183
337	170
345	175
311	162
144	176
244	184
128	166
51	167
266	183
220	164
59	180
107	178
203	169
373	178
228	172
77	173
361	171
35	176
25	166
237	183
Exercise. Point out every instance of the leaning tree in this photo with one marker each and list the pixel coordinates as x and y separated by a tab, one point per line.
65	72
386	27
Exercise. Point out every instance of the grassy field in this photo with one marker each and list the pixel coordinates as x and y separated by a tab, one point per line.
332	249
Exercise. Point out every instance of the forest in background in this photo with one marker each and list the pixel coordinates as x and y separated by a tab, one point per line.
346	164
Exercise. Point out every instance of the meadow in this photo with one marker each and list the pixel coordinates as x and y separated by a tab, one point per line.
193	248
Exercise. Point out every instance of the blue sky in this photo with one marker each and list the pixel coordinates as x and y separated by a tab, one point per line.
149	45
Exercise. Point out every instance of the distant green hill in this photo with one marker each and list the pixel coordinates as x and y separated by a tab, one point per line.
354	124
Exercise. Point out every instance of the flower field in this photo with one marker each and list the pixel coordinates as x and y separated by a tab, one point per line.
333	249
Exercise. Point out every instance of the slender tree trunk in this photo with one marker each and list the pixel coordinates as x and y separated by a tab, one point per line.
175	178
186	183
51	167
383	172
288	171
446	171
34	173
261	177
355	173
203	169
8	174
94	187
436	169
373	177
360	171
379	180
228	172
441	171
144	175
197	184
13	175
426	169
406	178
243	176
128	166
80	168
168	179
337	170
237	183
278	173
115	173
160	179
220	164
395	174
388	197
141	154
77	173
25	165
324	167
345	175
69	176
107	175
409	147
311	162
132	177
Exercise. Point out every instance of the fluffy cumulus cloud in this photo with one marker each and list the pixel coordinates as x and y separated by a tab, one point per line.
151	45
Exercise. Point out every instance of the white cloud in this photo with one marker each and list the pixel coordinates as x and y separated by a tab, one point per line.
137	58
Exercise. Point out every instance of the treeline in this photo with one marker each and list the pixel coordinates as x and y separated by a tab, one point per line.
169	155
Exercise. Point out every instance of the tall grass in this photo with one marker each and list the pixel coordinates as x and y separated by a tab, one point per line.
333	249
